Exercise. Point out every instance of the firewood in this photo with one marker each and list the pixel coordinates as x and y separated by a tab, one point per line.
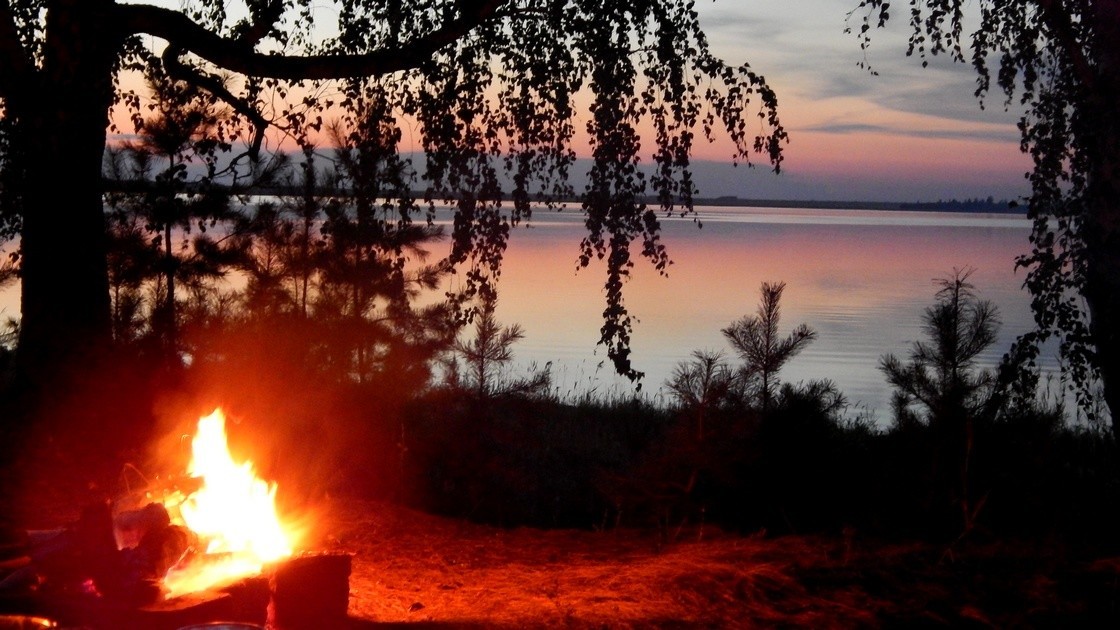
310	592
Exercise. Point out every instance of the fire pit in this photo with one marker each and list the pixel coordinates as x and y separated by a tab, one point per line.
209	547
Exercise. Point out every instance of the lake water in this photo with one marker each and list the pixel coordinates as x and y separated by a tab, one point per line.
861	279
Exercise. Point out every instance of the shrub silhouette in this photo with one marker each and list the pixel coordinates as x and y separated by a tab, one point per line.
701	386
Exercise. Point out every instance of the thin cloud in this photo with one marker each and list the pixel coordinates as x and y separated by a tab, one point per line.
998	134
803	49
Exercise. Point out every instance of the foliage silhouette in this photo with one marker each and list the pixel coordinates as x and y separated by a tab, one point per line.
702	385
347	279
941	375
737	424
9	330
374	260
1059	59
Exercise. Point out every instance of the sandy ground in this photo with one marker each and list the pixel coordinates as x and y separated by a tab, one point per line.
417	569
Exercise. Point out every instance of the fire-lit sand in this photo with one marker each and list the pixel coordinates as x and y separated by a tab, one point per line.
418	568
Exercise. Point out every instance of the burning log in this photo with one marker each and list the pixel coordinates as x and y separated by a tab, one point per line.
307	592
243	606
80	577
159	545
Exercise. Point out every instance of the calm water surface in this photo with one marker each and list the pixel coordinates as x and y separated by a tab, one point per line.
861	279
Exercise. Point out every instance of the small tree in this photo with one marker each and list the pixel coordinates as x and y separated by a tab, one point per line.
943	381
764	352
487	354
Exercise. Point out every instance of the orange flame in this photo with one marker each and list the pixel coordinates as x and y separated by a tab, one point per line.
233	513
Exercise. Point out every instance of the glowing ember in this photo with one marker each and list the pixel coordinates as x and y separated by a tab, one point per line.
233	513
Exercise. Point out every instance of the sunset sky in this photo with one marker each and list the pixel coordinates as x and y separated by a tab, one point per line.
910	133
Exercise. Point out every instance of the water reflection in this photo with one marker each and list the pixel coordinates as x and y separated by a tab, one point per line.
862	279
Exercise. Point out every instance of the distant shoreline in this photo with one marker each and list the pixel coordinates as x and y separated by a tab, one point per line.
953	205
988	206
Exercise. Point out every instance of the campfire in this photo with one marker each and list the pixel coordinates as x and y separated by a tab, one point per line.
232	513
204	545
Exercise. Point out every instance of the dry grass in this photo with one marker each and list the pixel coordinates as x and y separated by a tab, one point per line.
416	568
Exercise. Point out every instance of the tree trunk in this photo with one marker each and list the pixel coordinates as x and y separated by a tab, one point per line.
65	287
73	413
1102	224
1102	290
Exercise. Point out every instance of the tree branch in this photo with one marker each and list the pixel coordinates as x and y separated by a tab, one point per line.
263	19
178	70
262	22
16	70
236	56
1057	16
